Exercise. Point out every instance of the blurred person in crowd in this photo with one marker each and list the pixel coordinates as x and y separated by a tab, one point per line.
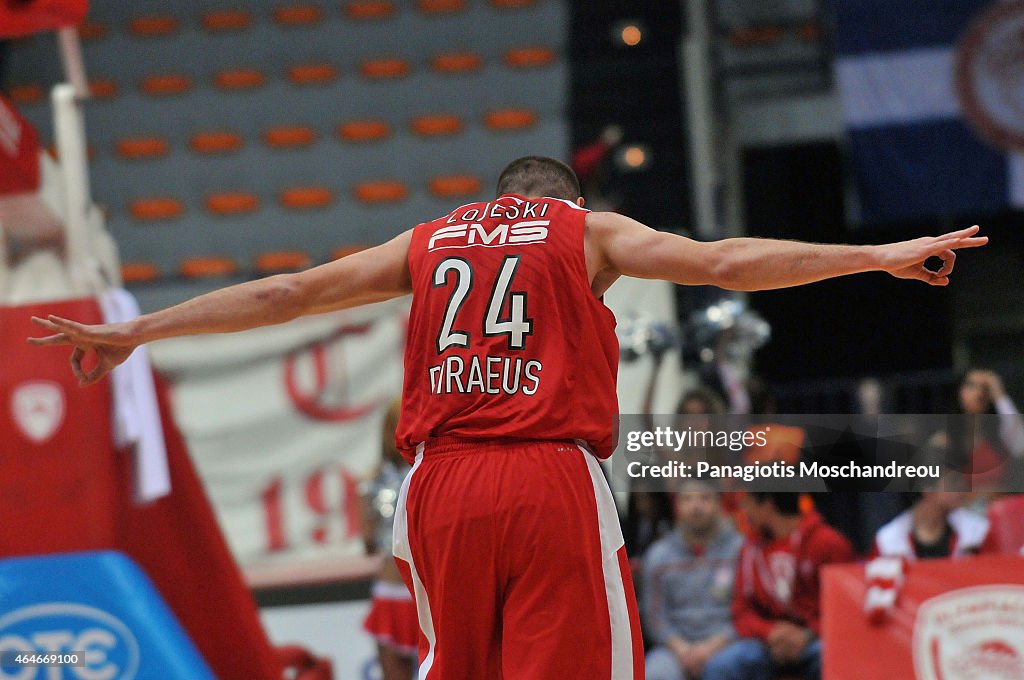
936	526
776	607
594	168
392	619
687	584
498	457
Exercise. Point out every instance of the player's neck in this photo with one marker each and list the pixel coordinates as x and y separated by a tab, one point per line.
784	525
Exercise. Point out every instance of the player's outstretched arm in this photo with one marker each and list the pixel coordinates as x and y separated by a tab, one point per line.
372	275
625	246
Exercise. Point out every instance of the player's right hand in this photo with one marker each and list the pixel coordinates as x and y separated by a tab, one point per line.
111	344
906	259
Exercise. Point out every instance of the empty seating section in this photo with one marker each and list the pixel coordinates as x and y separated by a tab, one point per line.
264	136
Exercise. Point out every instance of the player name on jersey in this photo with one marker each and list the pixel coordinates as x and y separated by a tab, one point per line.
466	228
485	375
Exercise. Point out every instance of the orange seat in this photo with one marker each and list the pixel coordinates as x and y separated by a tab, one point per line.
166	85
232	203
513	4
440	6
381	191
29	93
227	20
370	9
457	62
139	272
529	57
201	267
345	251
285	136
216	142
153	26
510	119
92	30
307	198
156	208
281	261
437	126
755	35
809	31
142	147
312	74
364	130
240	79
385	68
103	89
298	15
448	186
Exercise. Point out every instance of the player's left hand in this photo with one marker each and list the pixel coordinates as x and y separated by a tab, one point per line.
111	344
906	259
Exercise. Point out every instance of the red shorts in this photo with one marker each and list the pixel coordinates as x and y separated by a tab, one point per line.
392	618
515	555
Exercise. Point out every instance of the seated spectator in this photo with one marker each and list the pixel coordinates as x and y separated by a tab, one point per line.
937	526
775	605
688	579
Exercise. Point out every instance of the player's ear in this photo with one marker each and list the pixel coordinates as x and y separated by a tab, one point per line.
580	201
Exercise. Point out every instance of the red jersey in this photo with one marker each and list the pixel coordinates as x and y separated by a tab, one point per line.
506	338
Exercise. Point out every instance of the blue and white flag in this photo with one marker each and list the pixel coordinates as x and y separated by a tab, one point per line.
933	97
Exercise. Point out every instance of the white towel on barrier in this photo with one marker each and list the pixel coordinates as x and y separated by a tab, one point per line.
136	414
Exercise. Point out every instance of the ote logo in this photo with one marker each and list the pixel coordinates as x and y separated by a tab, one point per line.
111	650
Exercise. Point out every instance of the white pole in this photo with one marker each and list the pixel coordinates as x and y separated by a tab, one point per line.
73	161
700	111
74	65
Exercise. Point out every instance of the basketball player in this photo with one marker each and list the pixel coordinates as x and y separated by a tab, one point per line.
506	531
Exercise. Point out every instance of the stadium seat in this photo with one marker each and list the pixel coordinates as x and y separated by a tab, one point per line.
1006	518
436	126
512	4
319	73
227	20
156	208
90	31
457	62
289	136
307	198
755	36
381	191
30	93
166	85
154	26
370	9
364	130
809	31
384	68
138	148
529	57
440	6
452	186
139	272
204	267
281	261
240	79
232	203
216	142
345	251
103	89
298	15
510	119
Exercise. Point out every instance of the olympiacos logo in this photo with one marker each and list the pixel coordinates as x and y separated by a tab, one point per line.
37	408
971	634
111	651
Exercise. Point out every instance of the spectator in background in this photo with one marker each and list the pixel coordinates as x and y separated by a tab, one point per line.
392	620
593	165
688	580
936	526
776	607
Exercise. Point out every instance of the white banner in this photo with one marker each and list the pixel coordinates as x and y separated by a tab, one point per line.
284	422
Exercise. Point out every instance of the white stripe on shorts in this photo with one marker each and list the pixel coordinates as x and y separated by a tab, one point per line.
611	541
